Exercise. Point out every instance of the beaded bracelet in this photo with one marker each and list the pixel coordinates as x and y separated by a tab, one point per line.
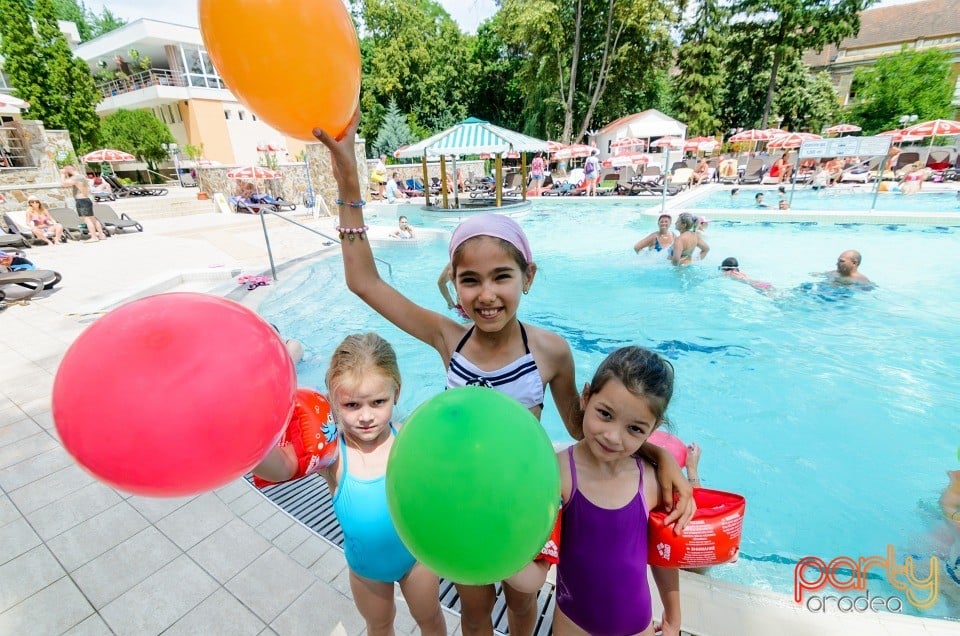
352	204
352	233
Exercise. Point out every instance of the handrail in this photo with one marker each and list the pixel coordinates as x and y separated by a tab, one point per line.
266	237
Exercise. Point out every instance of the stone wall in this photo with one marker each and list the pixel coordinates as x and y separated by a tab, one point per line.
42	148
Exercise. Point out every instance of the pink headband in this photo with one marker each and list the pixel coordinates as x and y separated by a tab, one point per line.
495	225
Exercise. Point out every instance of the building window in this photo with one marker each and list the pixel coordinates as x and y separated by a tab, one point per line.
253	117
240	115
173	119
226	114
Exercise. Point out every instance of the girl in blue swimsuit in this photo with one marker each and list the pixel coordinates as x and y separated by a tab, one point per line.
364	383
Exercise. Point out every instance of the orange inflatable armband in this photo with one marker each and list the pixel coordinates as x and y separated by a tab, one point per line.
712	537
313	433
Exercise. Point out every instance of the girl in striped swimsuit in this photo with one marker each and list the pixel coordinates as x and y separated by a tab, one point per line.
493	268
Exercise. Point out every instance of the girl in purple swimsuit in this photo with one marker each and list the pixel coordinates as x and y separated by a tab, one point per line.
602	586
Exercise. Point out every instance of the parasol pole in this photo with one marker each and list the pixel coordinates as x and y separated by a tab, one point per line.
456	184
666	178
426	179
793	177
523	174
498	163
443	181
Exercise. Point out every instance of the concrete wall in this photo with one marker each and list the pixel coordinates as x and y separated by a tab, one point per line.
42	147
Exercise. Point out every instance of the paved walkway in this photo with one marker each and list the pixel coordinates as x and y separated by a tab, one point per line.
78	557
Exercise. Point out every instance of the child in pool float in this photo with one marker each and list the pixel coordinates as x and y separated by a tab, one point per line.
492	267
607	493
363	381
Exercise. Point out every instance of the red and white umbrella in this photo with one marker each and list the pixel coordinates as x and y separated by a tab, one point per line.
626	143
899	136
265	147
554	146
512	154
840	129
106	155
755	135
700	144
668	142
253	172
9	101
934	128
620	161
791	140
574	151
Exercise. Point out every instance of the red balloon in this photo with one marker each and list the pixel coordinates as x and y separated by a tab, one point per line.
173	394
295	63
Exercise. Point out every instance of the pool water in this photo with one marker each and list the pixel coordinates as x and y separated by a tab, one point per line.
845	197
835	412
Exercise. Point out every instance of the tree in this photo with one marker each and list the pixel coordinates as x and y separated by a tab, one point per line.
497	95
807	101
105	22
906	83
698	84
779	27
138	132
575	50
413	52
70	11
394	132
18	45
68	96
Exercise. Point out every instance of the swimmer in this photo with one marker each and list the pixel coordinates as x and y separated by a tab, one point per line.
661	240
734	192
848	270
950	499
758	201
688	241
783	205
404	229
730	268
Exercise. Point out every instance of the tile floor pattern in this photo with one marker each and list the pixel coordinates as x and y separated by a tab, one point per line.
78	557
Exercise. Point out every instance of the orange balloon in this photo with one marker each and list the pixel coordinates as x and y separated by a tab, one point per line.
295	63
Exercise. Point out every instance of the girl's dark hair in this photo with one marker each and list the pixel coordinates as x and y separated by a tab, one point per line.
507	246
642	372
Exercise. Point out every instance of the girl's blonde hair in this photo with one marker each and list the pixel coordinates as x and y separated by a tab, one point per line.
360	353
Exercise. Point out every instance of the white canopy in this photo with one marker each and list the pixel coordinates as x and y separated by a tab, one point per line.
647	124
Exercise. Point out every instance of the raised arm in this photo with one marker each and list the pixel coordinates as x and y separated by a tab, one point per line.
359	267
704	248
443	283
672	484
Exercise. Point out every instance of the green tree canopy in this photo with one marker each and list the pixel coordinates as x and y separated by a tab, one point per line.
413	52
497	95
906	83
18	45
585	61
699	58
780	27
138	132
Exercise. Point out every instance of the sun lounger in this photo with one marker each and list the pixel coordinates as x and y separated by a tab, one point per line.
753	173
681	178
15	230
48	277
608	184
279	204
25	279
108	217
121	190
72	224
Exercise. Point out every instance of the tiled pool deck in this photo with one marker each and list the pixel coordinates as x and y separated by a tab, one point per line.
78	557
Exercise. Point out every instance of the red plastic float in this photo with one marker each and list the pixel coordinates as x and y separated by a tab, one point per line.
712	537
676	447
313	433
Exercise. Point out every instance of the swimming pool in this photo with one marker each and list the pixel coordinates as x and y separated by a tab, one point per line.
834	412
844	198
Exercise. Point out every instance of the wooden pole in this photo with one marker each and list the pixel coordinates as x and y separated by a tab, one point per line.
443	181
426	180
499	178
523	174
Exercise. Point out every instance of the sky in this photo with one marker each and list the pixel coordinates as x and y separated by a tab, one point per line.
468	13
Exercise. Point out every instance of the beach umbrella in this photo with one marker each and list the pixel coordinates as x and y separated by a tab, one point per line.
668	142
899	136
755	135
554	146
265	147
631	159
700	144
574	151
791	140
107	155
934	128
625	144
253	173
840	129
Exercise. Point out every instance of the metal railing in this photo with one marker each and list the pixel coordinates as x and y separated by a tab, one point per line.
12	153
266	237
143	79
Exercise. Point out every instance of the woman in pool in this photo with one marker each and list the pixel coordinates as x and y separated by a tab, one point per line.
688	242
661	240
493	268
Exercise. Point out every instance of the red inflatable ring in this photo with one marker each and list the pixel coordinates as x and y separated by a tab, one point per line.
676	447
712	537
313	433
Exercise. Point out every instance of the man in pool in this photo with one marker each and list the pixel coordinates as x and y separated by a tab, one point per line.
848	270
758	201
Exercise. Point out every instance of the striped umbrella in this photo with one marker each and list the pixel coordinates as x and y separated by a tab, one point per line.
253	173
934	128
107	155
9	101
626	143
620	161
899	135
840	129
265	147
668	142
574	151
755	135
791	140
554	146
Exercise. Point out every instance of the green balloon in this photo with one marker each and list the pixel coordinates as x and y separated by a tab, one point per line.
473	485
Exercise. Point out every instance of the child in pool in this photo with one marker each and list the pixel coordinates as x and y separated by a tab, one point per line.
607	493
492	267
363	381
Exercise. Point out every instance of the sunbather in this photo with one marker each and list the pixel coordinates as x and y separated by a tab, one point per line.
41	223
